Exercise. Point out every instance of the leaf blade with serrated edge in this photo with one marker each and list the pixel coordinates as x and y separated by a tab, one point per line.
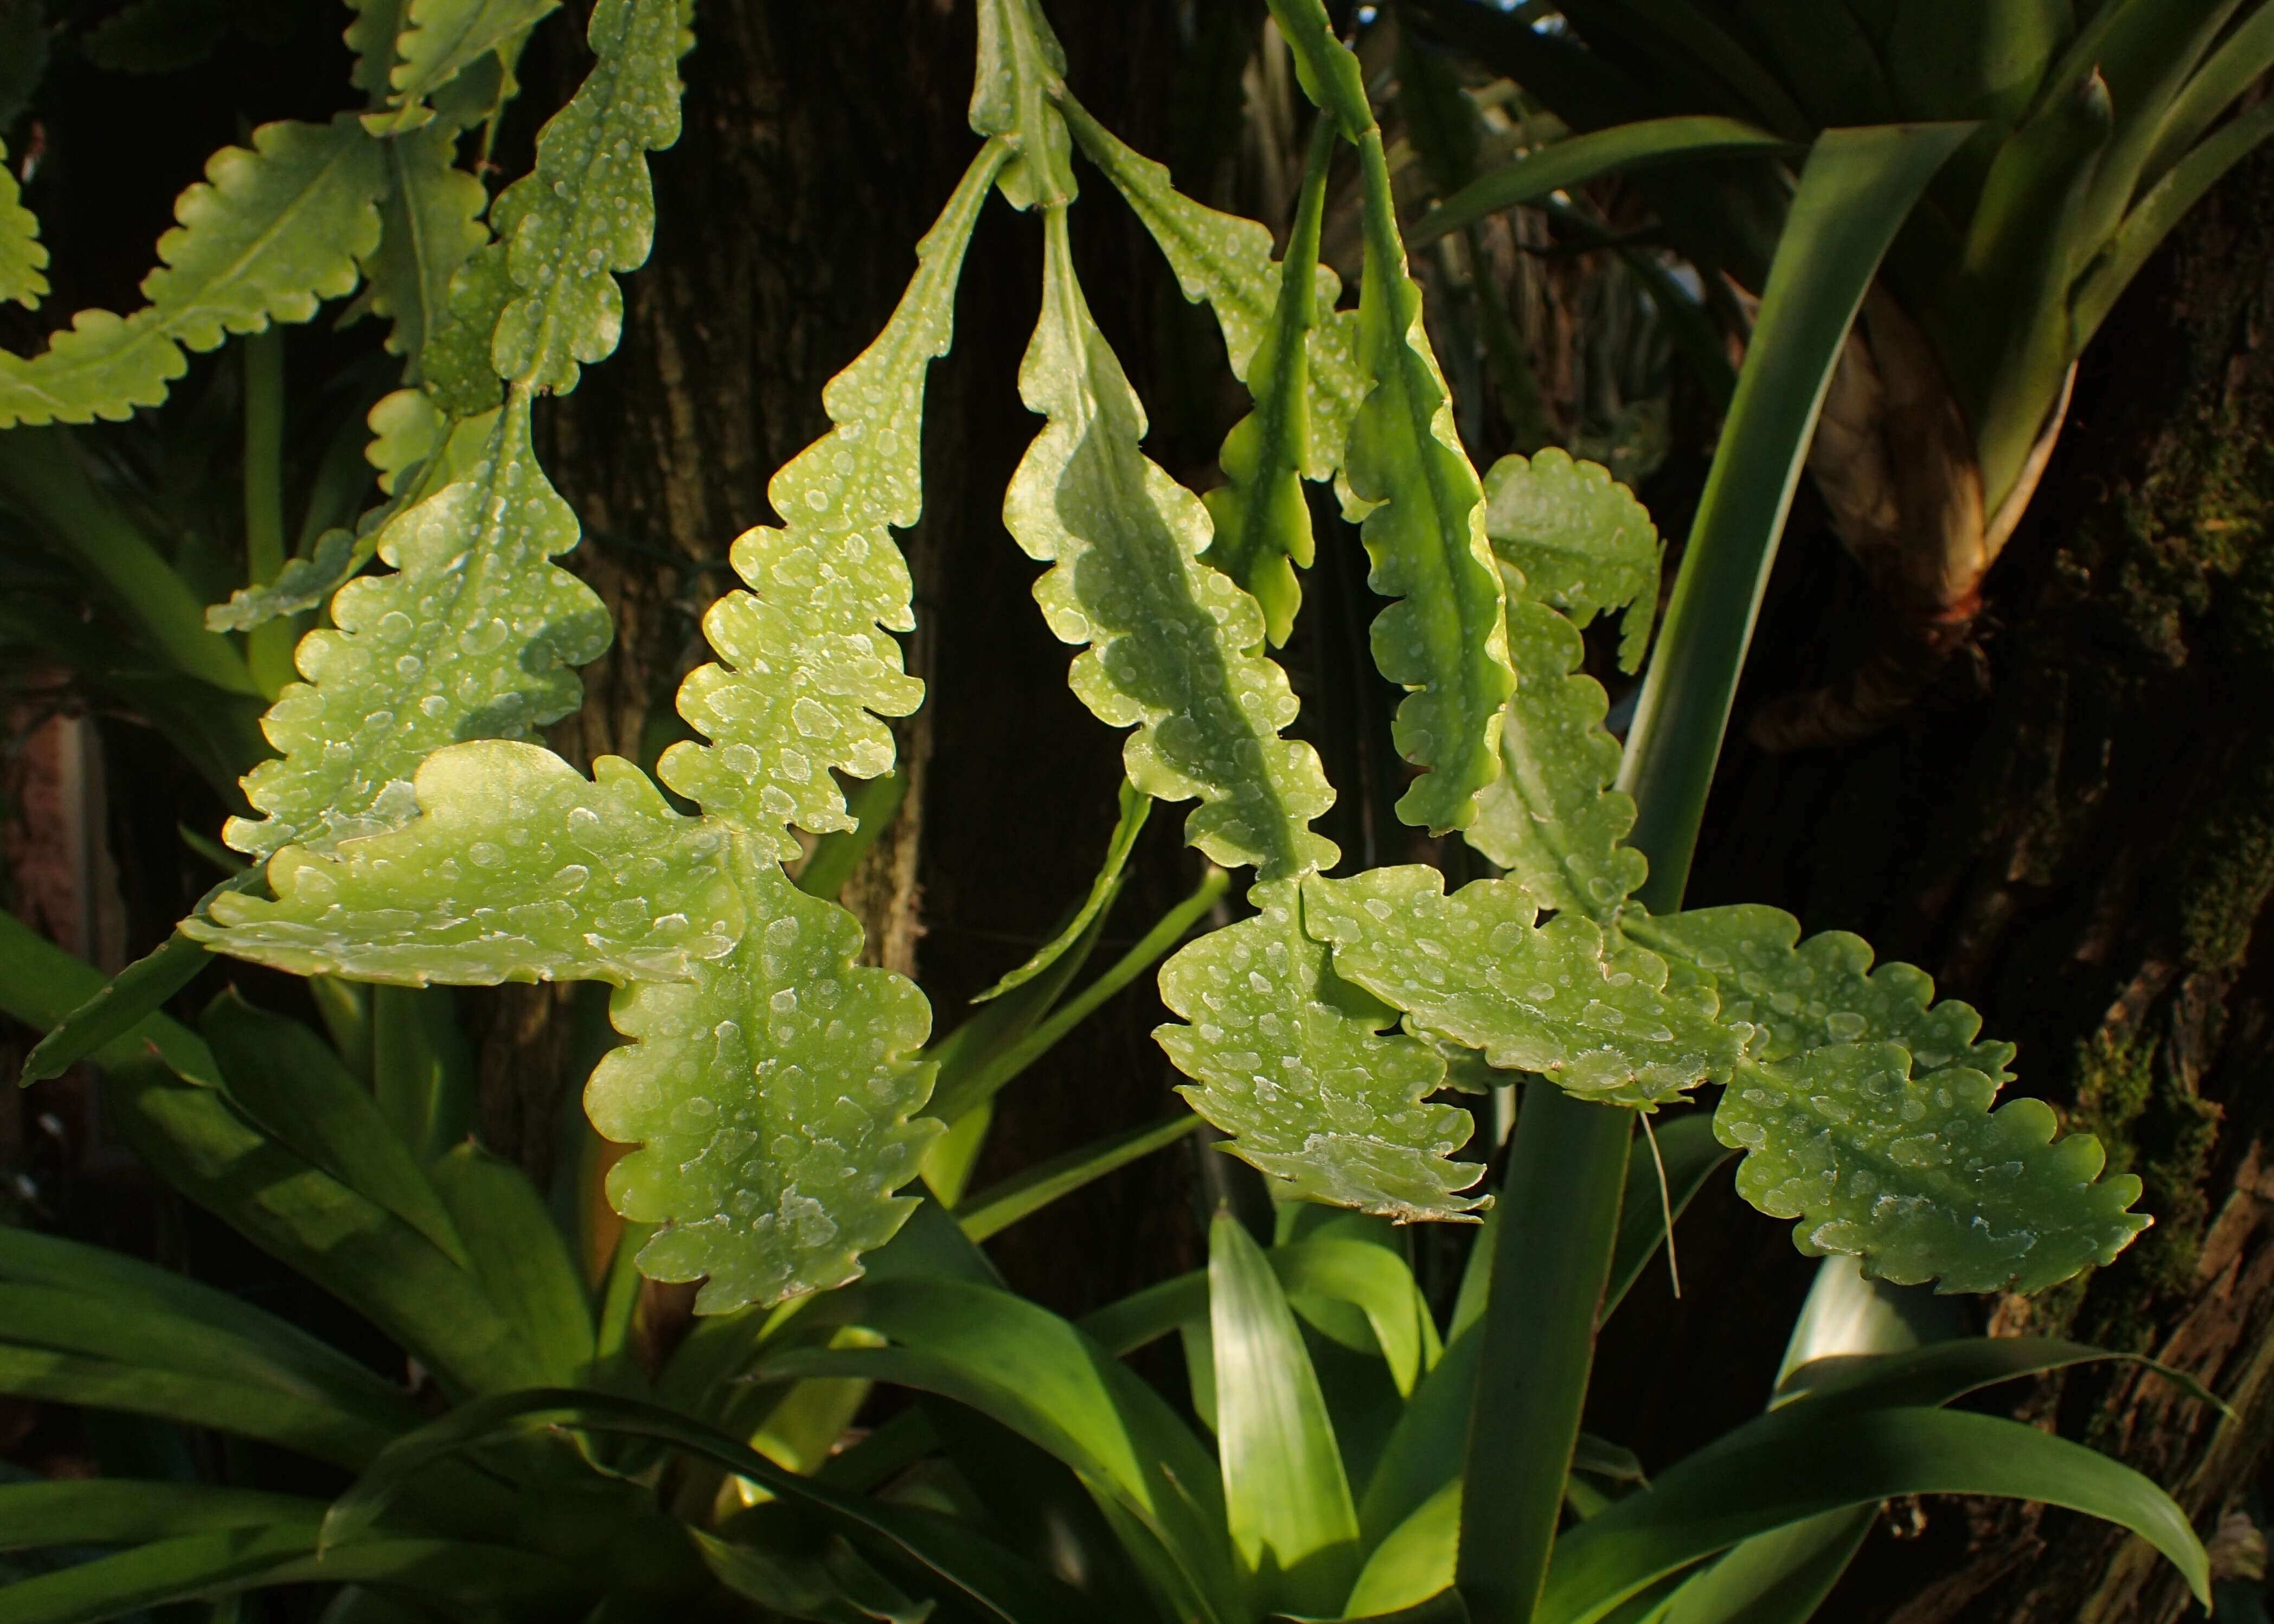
443	37
1589	1011
475	635
430	221
1224	261
271	230
1175	647
770	1079
1296	1067
804	675
1583	543
23	256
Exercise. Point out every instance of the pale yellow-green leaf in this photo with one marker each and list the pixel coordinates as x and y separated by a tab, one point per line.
430	221
1579	539
807	661
1174	646
23	257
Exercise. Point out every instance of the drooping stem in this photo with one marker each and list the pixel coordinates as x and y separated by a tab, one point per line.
1567	1164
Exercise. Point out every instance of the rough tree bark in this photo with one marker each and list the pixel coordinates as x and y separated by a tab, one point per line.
2080	840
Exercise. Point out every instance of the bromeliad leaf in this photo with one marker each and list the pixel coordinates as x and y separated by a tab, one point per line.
1585	1008
1174	645
1918	1177
1581	541
474	637
1293	1062
769	1077
808	667
271	230
1552	819
1225	260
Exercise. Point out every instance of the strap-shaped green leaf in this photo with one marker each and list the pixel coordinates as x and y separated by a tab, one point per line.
1175	646
444	37
474	637
1588	1010
1263	521
271	230
1293	1062
807	666
1801	996
430	221
587	210
1552	819
1583	543
23	256
771	1080
1225	259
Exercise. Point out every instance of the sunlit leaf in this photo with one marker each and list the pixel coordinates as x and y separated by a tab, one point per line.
1582	542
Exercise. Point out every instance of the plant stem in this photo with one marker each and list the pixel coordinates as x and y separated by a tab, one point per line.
269	646
1561	1196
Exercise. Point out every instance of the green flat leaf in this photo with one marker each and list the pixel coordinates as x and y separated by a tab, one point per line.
440	38
1590	1011
807	666
44	986
587	210
1263	521
1047	1382
1802	995
269	232
360	1252
1781	1577
1136	806
1225	261
1578	158
454	366
1551	819
517	867
102	1511
1414	1561
1920	1179
2224	77
1291	1062
1446	641
1174	645
1373	1279
23	257
1698	1508
125	1003
475	636
1027	1192
1020	70
371	34
519	1258
292	1086
770	1080
430	220
301	585
1580	540
1294	1532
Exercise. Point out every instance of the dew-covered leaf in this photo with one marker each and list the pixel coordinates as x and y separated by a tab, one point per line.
772	1095
441	38
1551	819
518	868
1590	1010
475	635
1020	65
1294	1063
1800	995
770	1079
1225	261
455	364
806	663
1583	543
302	584
1262	520
430	221
1175	646
23	257
1918	1177
1445	640
272	229
587	210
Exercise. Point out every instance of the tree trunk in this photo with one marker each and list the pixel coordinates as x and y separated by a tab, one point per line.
2080	840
